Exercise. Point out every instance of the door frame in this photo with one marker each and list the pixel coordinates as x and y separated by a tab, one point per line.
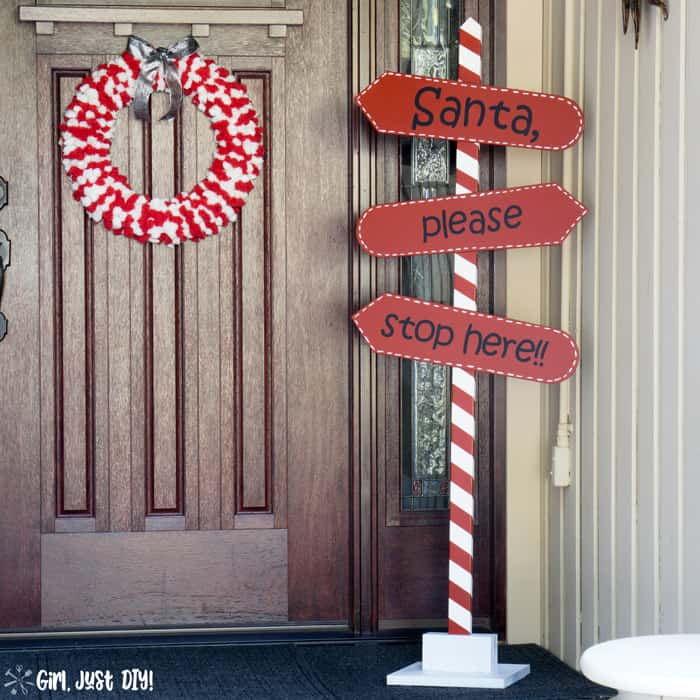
374	379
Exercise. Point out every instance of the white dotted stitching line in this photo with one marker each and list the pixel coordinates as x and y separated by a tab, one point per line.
490	88
463	365
465	249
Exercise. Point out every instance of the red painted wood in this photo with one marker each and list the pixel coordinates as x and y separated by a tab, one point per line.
413	105
519	217
421	330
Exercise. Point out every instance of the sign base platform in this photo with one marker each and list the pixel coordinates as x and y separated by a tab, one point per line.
459	661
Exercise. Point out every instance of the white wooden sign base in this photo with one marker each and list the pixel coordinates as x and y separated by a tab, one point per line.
459	661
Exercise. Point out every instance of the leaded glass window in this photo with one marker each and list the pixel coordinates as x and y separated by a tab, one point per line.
429	46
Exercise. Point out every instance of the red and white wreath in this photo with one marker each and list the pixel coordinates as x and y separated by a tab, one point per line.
104	191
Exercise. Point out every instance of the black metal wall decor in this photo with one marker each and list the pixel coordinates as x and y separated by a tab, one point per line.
4	264
634	7
3	193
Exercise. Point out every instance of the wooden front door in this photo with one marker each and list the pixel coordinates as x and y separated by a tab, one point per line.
174	443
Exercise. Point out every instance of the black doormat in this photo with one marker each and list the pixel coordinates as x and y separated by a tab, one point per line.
353	670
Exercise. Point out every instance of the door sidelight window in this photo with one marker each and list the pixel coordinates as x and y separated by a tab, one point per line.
429	46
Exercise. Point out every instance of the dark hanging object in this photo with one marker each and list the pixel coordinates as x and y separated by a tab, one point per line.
635	8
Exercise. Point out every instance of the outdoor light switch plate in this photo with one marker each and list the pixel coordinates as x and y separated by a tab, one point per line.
561	467
3	192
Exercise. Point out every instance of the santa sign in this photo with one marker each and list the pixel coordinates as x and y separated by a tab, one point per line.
458	336
421	330
519	217
414	105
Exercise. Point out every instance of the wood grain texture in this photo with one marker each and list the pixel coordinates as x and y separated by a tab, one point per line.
20	427
276	173
51	441
318	315
164	300
244	41
165	522
412	579
164	578
254	479
138	259
173	3
209	355
164	372
373	163
75	524
158	15
192	171
118	278
99	348
68	312
74	339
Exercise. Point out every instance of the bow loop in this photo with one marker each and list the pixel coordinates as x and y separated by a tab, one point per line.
152	60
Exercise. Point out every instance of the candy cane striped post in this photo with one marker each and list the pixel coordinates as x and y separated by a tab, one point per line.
460	658
462	448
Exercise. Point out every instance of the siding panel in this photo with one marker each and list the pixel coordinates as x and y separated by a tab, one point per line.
645	557
689	526
593	51
638	449
606	307
672	188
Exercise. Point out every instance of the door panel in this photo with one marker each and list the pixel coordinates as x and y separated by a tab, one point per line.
318	314
193	424
194	324
194	298
164	578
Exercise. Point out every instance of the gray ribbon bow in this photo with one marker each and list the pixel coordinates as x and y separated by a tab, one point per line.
154	59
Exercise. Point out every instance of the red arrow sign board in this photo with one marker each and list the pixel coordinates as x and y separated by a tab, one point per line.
444	335
412	105
519	217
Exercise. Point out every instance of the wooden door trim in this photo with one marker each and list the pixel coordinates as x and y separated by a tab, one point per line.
45	17
375	414
292	629
20	427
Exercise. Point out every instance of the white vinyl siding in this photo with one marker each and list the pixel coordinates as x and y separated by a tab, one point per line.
623	541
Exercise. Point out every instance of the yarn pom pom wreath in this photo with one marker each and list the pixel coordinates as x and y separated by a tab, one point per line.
87	132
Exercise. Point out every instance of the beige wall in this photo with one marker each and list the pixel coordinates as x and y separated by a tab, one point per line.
526	401
539	58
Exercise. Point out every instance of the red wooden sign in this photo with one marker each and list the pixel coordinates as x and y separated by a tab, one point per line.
519	217
444	335
397	103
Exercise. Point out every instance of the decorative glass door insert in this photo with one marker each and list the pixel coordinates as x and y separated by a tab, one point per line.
429	46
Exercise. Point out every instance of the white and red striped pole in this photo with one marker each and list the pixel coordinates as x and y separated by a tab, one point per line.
462	448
